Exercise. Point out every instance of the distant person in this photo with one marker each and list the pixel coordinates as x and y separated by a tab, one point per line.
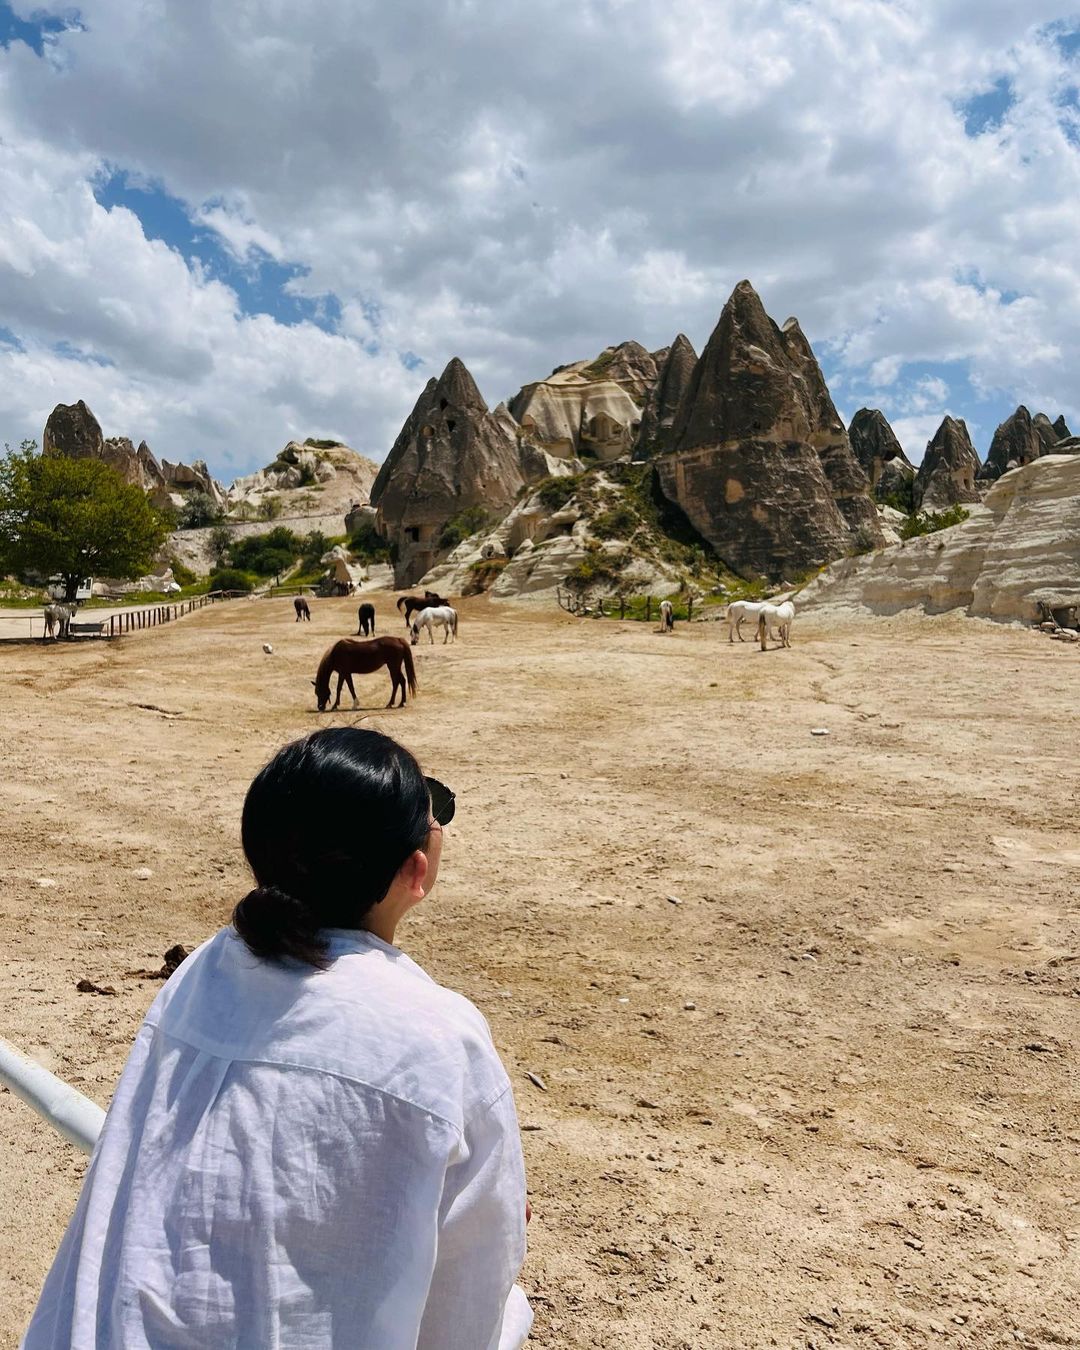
312	1143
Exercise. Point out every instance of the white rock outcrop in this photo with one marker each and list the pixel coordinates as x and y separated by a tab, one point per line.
1020	548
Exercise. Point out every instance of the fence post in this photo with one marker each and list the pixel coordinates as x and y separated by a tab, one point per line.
622	606
689	606
648	609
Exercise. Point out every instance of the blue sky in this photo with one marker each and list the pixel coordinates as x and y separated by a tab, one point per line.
234	225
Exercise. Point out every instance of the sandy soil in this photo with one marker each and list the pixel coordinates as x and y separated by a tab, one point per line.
827	1099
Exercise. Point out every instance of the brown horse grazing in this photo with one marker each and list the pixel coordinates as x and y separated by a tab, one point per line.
348	657
365	617
412	603
303	609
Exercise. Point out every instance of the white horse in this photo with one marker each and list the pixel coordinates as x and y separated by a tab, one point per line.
443	615
667	616
738	612
780	617
58	617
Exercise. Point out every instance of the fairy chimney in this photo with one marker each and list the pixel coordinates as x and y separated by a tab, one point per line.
452	454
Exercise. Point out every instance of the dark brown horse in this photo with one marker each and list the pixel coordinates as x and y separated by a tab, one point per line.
349	657
411	603
365	616
303	609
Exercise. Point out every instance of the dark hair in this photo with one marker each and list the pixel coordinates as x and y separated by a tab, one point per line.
326	825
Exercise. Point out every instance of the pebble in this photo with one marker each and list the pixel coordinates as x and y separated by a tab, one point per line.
819	731
689	1006
46	882
674	900
536	1079
268	649
142	874
624	999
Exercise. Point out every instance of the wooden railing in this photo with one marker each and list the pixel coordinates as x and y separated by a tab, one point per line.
135	620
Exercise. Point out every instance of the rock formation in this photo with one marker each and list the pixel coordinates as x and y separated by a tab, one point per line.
451	454
72	430
1019	548
589	409
663	401
947	473
759	461
1018	440
874	445
1061	429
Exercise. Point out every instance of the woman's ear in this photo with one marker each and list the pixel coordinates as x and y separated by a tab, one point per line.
412	873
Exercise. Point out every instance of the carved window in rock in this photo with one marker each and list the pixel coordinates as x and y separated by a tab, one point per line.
443	405
412	534
427	432
450	424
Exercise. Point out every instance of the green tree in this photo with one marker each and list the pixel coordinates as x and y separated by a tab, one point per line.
198	510
315	545
270	508
75	517
220	541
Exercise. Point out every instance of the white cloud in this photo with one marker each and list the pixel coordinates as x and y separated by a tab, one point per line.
522	185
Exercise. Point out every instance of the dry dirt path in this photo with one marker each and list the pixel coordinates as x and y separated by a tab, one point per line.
828	1099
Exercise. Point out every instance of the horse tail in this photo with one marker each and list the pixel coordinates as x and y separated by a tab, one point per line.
401	602
410	670
454	613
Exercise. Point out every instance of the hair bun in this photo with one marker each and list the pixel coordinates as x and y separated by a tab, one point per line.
275	924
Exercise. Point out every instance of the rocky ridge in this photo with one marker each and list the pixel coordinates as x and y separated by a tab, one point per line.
1020	546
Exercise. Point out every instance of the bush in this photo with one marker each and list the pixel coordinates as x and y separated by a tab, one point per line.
598	570
231	579
270	508
865	540
220	542
184	575
929	522
321	445
314	545
366	544
461	526
554	493
198	510
265	554
620	522
482	574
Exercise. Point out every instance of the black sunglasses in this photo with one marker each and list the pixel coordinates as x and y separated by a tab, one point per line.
442	801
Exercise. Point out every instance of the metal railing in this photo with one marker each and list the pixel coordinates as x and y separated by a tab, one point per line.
77	1118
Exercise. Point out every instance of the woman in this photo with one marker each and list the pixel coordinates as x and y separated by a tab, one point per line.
312	1143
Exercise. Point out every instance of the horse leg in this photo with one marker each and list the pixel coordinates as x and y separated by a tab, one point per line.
337	700
738	628
395	676
352	690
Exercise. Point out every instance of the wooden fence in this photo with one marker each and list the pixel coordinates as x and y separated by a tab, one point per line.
135	620
616	607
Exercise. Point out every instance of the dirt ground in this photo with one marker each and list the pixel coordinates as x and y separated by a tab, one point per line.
805	1006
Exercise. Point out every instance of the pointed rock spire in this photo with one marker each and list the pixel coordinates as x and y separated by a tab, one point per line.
1018	440
947	473
1061	427
663	401
451	455
72	430
759	460
874	445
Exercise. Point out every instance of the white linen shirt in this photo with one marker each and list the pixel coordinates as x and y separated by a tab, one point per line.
299	1158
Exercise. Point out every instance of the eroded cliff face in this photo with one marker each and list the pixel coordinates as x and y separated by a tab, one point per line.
451	455
760	461
1019	440
588	409
1019	547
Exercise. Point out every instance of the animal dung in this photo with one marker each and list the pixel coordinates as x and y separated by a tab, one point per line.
268	649
819	731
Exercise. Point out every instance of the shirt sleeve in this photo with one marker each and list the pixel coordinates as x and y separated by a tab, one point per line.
472	1302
